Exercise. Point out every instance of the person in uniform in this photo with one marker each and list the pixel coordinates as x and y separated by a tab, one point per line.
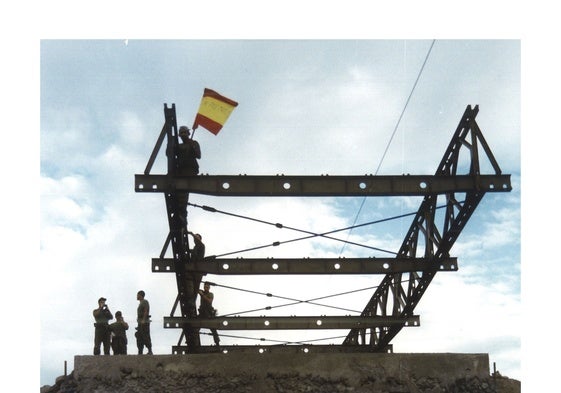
143	330
102	316
186	154
193	279
206	310
118	331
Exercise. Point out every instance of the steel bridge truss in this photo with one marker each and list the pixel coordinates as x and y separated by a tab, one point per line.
424	251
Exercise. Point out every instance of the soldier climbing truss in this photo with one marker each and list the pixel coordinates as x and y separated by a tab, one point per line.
424	251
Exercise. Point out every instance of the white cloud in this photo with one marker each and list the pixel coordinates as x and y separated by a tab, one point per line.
503	229
457	316
500	228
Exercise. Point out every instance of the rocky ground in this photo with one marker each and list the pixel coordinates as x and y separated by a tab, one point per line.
171	382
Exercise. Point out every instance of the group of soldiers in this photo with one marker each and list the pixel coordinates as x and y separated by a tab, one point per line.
114	335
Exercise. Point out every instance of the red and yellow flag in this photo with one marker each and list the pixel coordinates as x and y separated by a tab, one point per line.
213	111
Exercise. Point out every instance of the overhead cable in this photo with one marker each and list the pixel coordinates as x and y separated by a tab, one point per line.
393	134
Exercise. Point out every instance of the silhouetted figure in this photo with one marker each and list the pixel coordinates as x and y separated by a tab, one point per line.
206	310
102	335
118	331
193	279
143	330
186	154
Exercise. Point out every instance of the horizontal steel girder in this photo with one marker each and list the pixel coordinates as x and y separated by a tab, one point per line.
292	322
285	348
246	266
255	186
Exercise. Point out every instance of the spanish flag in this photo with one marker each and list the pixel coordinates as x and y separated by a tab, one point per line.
213	111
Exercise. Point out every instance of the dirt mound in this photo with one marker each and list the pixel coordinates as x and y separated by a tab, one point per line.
171	382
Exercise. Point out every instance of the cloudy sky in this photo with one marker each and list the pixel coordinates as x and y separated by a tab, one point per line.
305	107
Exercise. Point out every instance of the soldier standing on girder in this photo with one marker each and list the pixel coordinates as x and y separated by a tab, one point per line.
206	310
187	154
193	279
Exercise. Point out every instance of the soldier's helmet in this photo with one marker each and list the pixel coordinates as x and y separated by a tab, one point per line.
183	131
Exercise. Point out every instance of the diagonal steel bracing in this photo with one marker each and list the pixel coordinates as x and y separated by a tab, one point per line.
398	297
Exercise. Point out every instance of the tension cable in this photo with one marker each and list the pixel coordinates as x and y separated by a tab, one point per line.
295	301
262	339
312	234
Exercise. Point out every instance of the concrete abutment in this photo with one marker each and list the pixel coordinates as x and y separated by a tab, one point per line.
280	372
